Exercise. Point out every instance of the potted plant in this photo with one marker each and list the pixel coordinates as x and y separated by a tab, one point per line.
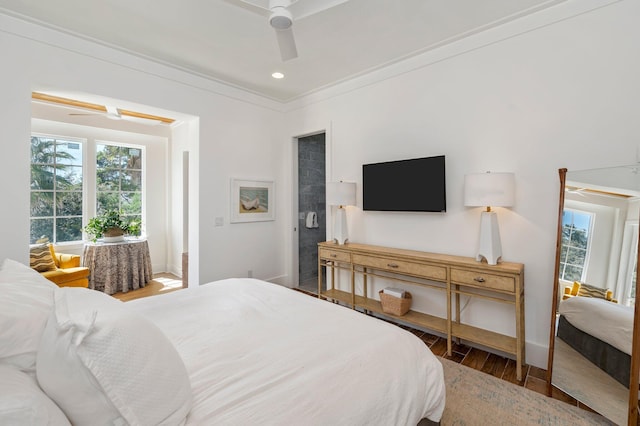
112	225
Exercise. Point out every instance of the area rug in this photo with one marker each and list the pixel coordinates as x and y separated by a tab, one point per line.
476	398
577	376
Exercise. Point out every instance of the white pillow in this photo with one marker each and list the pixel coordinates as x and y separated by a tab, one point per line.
26	299
22	402
104	364
13	271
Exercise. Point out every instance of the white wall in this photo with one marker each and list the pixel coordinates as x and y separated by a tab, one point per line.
180	138
236	137
564	94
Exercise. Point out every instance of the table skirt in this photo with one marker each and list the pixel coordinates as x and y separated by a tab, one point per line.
118	267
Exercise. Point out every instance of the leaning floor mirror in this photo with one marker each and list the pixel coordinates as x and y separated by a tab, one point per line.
593	344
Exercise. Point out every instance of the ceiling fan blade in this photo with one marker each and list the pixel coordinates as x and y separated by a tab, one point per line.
287	44
260	7
301	9
140	120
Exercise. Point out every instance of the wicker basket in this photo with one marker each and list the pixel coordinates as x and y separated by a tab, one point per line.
395	305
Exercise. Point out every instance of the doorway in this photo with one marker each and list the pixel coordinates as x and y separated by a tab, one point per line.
311	207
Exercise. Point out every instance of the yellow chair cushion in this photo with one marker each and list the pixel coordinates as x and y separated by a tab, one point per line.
63	260
69	277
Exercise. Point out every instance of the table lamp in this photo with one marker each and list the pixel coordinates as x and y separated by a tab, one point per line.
341	194
487	190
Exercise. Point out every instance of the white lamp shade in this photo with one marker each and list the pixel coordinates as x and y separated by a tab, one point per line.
489	189
341	193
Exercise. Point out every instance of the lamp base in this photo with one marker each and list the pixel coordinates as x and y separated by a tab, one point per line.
340	234
489	246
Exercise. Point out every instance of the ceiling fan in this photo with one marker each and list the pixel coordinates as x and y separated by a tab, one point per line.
114	113
281	15
575	190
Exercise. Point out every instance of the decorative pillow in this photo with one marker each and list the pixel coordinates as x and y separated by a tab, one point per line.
40	258
104	364
22	402
26	300
587	290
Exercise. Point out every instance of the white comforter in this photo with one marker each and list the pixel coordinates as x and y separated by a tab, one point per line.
261	354
608	321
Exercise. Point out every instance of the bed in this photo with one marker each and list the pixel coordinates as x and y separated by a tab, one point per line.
601	331
231	352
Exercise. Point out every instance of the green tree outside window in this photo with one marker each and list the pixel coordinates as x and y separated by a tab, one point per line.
119	180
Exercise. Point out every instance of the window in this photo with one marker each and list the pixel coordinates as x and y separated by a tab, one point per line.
56	189
576	233
60	201
119	180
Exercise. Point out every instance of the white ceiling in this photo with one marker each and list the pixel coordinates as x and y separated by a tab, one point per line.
224	42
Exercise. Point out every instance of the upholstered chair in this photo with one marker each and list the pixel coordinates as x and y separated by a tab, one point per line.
63	269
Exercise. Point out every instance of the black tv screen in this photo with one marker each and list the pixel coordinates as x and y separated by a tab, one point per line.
416	185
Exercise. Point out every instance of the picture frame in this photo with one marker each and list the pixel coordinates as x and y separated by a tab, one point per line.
252	200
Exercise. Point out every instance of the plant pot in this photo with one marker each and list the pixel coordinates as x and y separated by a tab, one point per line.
113	235
113	232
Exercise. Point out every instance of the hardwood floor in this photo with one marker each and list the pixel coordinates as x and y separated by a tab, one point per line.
495	365
160	284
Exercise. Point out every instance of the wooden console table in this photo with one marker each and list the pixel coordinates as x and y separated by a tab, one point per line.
456	275
118	267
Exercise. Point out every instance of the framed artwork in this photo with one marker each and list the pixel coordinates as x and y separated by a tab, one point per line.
252	200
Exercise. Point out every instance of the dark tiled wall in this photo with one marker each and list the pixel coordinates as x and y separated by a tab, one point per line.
311	197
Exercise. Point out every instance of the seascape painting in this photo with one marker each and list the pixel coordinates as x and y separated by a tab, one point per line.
252	200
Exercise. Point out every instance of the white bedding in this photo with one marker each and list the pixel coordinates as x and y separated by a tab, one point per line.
262	354
610	322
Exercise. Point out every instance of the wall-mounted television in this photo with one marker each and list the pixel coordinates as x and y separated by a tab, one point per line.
415	185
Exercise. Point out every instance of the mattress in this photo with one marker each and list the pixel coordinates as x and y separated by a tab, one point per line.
610	322
259	353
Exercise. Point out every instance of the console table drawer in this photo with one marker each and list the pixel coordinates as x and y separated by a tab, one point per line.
481	279
431	272
338	256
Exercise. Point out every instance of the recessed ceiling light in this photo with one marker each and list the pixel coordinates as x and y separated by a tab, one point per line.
277	75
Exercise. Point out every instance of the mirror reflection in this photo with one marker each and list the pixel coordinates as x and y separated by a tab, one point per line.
596	288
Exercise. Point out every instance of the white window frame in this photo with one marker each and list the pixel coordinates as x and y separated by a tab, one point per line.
84	143
94	194
89	179
592	219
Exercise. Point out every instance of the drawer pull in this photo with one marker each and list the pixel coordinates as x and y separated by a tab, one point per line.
334	255
479	279
392	265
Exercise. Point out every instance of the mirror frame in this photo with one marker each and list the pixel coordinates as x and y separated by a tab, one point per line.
632	416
